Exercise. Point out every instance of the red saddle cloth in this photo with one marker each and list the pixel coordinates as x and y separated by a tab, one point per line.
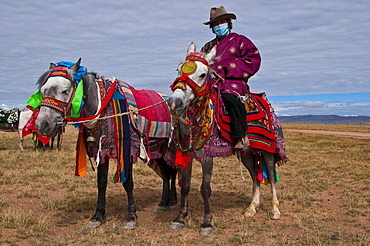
260	127
153	121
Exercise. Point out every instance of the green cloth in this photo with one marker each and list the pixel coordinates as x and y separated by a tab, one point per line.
77	100
35	100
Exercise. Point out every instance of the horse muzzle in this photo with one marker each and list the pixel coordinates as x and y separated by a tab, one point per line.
177	106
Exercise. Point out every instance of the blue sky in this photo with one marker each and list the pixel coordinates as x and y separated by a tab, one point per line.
315	54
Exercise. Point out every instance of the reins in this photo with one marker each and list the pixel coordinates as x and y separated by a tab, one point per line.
65	107
115	115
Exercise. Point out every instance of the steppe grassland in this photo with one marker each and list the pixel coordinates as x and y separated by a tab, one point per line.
324	198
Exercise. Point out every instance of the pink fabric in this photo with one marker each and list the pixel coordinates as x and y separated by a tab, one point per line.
145	98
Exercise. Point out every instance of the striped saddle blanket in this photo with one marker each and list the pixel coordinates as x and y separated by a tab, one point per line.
151	121
260	131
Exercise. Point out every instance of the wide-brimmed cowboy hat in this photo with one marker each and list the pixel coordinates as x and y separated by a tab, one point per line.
217	14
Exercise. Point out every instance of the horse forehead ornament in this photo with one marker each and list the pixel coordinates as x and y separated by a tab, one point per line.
187	68
54	103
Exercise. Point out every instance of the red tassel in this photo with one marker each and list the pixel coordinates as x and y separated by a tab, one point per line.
182	159
259	172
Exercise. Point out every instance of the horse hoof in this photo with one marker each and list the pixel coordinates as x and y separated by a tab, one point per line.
173	208
249	214
275	216
177	225
130	225
206	231
93	224
160	209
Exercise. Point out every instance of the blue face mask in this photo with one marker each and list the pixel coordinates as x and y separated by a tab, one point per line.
221	30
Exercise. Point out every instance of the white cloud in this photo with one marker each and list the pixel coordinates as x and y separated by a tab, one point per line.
307	47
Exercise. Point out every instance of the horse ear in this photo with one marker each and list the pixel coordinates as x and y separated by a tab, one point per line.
209	57
52	65
191	48
76	66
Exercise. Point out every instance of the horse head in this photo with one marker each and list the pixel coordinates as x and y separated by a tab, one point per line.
57	87
192	81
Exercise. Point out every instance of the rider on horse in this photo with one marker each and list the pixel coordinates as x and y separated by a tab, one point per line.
237	59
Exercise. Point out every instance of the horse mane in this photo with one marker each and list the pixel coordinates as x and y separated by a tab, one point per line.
43	78
90	92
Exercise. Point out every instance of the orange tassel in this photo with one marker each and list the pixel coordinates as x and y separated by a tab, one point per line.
80	156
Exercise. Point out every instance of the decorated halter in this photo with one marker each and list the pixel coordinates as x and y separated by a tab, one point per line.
189	67
56	104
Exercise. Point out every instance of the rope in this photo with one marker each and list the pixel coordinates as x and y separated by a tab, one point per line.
116	115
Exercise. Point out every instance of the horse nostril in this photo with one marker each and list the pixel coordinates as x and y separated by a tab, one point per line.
179	103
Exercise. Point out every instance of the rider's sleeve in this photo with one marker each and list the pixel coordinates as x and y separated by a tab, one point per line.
246	63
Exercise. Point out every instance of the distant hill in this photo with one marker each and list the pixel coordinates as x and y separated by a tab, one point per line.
325	119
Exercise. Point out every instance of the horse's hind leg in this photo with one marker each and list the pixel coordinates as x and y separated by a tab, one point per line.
131	221
102	177
169	196
207	168
249	164
270	164
173	204
179	221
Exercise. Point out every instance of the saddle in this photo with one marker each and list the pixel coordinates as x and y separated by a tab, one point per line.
260	131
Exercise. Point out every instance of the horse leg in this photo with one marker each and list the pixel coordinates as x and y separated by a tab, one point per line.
102	180
248	162
179	221
21	140
173	204
169	196
162	206
59	140
131	220
52	143
270	164
206	191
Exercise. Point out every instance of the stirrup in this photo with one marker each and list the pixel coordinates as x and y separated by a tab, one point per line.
242	143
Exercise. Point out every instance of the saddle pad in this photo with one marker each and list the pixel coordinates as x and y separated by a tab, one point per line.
155	121
260	128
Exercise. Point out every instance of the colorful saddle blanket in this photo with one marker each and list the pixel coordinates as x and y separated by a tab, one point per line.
9	119
151	121
260	126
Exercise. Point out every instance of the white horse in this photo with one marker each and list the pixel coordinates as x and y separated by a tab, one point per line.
188	89
24	116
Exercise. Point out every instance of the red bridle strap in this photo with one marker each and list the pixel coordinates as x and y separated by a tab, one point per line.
181	82
63	107
55	104
196	56
107	99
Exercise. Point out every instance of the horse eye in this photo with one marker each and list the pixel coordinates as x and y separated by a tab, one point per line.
202	75
65	92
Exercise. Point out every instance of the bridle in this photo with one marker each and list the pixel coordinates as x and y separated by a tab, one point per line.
63	107
199	112
187	68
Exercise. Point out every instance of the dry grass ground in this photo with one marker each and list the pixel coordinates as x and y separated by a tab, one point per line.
324	198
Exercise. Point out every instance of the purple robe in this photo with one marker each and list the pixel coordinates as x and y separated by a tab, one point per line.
237	59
